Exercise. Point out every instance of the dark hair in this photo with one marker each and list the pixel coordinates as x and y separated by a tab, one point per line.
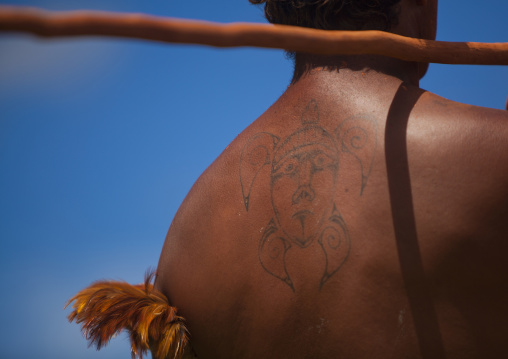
332	14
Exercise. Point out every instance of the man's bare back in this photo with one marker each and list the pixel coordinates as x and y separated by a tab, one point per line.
289	245
359	217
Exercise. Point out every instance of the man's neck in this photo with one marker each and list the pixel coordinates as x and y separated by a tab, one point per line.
371	65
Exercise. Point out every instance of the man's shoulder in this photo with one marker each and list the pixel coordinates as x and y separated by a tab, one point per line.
446	109
461	125
463	151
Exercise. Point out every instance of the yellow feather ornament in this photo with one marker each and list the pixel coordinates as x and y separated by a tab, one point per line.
106	308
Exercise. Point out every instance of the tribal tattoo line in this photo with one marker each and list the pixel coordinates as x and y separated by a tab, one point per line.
303	181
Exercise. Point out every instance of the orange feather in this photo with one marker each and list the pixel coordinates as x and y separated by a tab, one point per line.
106	308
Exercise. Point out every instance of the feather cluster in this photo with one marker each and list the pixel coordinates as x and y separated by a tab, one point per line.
107	307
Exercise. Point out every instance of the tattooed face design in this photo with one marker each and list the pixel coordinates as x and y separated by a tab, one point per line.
304	171
303	180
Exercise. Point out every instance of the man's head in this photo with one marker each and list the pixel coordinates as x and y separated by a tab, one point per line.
412	18
333	14
381	15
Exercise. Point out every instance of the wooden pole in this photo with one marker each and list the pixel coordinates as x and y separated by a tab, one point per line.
298	39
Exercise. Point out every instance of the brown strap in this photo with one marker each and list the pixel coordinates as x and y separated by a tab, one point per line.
86	23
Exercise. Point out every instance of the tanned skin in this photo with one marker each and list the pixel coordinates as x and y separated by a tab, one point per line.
358	217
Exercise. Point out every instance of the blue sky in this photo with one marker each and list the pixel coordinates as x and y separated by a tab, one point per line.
100	140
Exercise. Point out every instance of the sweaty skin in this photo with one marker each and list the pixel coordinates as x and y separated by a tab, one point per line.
358	217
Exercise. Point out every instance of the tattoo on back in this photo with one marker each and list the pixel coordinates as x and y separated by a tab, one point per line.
304	173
